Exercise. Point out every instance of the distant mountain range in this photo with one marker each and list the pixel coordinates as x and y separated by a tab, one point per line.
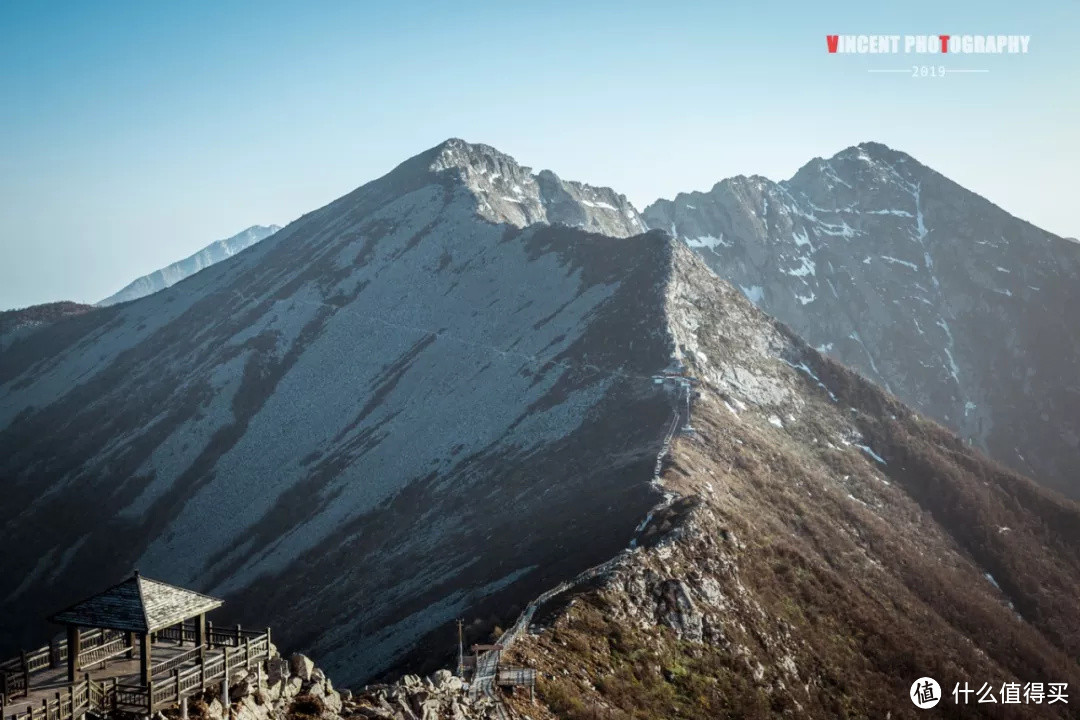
213	253
957	307
464	383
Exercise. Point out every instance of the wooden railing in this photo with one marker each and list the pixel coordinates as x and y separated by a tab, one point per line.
169	683
110	647
97	646
160	668
13	685
73	702
213	668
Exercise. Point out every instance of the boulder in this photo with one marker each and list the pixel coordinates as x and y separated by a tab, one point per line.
429	710
292	688
456	710
401	705
277	668
214	710
301	666
332	701
274	690
239	690
248	709
375	713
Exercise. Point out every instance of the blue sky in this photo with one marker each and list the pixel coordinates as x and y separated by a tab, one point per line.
133	133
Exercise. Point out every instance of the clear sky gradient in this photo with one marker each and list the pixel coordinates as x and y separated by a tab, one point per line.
134	133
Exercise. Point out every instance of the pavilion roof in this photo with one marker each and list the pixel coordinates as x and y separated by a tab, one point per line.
138	604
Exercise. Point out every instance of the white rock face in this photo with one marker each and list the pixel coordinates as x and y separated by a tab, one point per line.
507	192
922	286
215	252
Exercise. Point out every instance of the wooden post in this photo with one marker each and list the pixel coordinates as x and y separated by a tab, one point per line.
209	633
45	707
176	677
239	634
183	708
202	669
71	699
131	646
225	679
247	653
144	659
149	696
181	626
54	654
200	630
74	645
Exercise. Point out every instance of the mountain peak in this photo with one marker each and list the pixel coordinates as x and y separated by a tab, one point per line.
869	153
504	191
461	154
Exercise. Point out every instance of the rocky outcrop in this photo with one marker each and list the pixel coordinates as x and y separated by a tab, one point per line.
296	689
507	192
279	689
442	696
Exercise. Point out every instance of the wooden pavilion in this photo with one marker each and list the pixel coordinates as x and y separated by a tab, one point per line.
140	607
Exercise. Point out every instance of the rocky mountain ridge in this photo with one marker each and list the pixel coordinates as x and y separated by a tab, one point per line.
409	406
825	546
171	274
274	428
922	286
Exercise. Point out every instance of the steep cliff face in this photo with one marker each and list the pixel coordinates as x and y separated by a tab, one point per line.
922	286
400	407
825	548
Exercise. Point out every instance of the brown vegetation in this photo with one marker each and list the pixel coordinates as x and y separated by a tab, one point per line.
826	582
306	707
